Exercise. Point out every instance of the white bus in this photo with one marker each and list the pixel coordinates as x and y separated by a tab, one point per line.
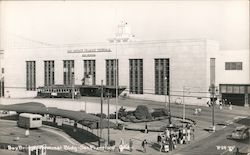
28	121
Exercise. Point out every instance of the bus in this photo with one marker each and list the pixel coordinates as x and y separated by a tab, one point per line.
28	121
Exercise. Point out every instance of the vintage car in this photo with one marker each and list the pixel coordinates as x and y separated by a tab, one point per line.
240	133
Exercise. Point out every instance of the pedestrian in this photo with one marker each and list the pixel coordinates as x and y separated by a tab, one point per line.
193	132
158	138
144	143
146	128
230	106
237	151
122	142
161	144
184	135
180	136
188	135
167	132
220	105
130	145
171	143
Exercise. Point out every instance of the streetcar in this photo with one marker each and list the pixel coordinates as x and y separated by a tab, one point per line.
58	91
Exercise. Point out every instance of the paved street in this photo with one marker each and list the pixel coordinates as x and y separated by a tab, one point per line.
205	142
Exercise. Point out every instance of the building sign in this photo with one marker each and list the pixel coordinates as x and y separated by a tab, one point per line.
94	50
88	55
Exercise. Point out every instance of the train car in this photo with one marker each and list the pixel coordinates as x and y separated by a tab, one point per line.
65	91
29	121
58	91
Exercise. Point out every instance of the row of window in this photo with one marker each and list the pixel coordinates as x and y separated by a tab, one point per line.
233	66
234	89
112	79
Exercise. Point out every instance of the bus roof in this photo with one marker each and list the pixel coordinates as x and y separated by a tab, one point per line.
28	115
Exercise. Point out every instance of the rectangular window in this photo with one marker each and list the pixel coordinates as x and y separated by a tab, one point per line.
162	75
229	89
233	65
49	73
236	89
242	89
223	89
89	72
136	76
111	72
68	72
30	75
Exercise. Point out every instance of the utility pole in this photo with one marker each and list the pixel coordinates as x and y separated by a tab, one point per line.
108	95
101	108
169	110
73	84
183	104
116	83
213	90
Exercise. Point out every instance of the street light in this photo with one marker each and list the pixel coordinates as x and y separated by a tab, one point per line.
108	96
169	112
184	108
213	92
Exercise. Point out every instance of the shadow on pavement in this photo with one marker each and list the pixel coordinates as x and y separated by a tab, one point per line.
78	134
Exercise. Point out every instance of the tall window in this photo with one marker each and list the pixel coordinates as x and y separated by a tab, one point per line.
30	75
89	70
49	73
162	72
68	72
136	76
111	72
233	65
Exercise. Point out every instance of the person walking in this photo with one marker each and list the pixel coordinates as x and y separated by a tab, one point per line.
158	138
193	133
167	132
130	145
144	143
146	128
188	135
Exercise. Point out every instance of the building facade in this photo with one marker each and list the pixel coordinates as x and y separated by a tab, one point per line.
151	70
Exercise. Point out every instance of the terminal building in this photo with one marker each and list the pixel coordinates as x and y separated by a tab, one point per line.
151	70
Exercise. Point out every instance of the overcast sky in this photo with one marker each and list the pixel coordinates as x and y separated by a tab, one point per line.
66	22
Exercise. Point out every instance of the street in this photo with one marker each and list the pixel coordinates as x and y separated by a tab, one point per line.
205	142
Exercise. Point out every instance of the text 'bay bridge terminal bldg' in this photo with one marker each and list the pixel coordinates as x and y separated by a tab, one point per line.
146	68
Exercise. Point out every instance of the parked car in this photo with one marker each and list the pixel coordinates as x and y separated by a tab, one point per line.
241	132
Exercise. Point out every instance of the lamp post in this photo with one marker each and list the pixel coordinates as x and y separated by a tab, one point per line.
166	90
116	83
183	103
73	84
108	95
101	109
183	100
213	92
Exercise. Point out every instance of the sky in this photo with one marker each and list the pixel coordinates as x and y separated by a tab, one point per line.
73	22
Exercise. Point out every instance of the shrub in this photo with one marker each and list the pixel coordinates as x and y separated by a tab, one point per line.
141	112
124	119
112	116
160	112
122	112
130	113
131	117
103	115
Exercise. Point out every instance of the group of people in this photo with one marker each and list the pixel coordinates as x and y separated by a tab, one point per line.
221	103
170	138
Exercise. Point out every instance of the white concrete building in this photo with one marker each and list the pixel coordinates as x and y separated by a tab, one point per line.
146	68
